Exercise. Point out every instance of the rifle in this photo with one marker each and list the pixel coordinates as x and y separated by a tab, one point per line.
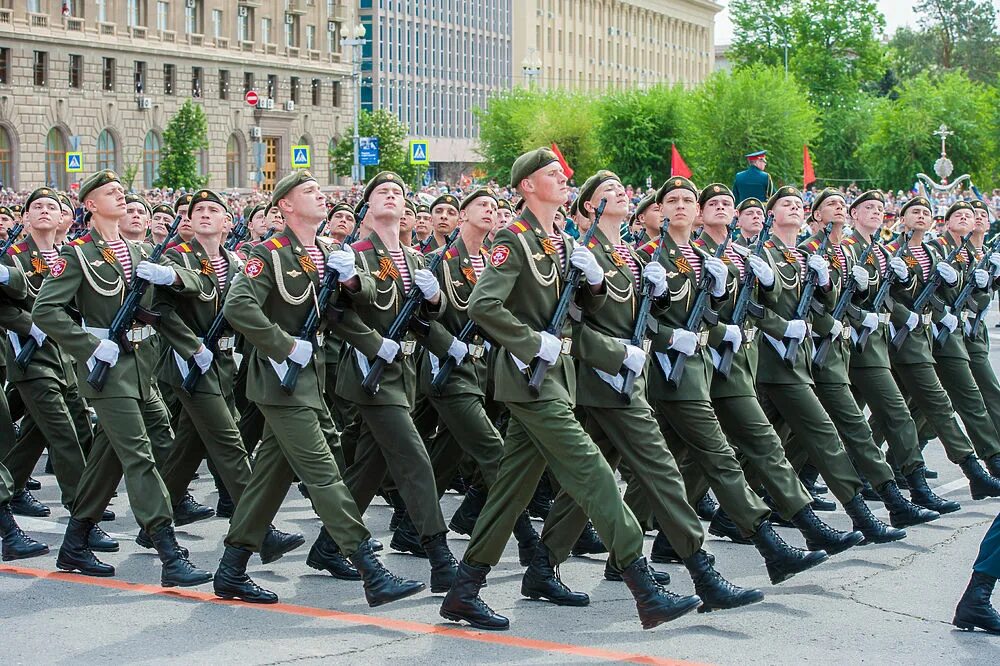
744	301
12	235
638	239
963	298
806	301
571	282
129	311
642	320
236	235
313	320
889	278
841	308
925	296
700	311
399	326
469	331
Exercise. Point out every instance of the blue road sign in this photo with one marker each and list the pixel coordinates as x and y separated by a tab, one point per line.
368	151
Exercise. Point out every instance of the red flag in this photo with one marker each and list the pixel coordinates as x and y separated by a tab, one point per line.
808	175
677	165
562	161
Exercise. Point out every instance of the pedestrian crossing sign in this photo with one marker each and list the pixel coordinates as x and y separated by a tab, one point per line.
418	152
301	157
74	162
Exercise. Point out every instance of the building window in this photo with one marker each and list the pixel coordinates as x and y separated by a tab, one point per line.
4	66
6	159
136	11
217	23
311	37
102	11
272	87
55	159
107	152
234	162
76	71
294	89
162	15
317	92
336	93
292	32
169	74
108	77
247	82
40	68
35	6
244	24
196	82
150	159
140	77
223	84
192	18
265	30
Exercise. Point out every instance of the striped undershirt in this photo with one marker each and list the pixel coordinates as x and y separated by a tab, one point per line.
120	249
737	260
557	241
49	256
399	258
221	268
478	264
920	254
693	258
623	252
318	259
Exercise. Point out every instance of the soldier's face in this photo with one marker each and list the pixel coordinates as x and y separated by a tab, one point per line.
160	223
833	209
387	200
548	184
208	218
185	229
788	212
408	221
617	206
718	211
277	220
504	217
44	215
917	218
258	224
960	222
305	202
423	223
6	222
751	221
341	224
481	213
982	220
445	218
680	207
107	201
868	216
67	220
135	219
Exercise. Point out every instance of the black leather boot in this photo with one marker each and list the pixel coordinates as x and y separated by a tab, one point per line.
395	500
464	519
177	569
541	581
864	520
820	536
975	611
589	542
820	503
527	539
541	501
868	492
277	543
325	555
143	540
405	539
776	518
232	582
107	516
75	554
655	605
32	483
443	563
462	603
993	466
99	541
706	507
723	526
783	561
16	544
225	507
614	574
381	586
981	484
922	495
189	511
809	476
902	512
663	552
23	503
716	592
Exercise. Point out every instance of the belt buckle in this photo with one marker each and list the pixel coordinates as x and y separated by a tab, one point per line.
134	335
407	347
225	344
703	338
749	334
846	333
647	344
883	318
477	351
319	339
567	345
925	319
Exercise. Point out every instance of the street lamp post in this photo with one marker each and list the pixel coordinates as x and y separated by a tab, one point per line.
355	39
784	38
531	67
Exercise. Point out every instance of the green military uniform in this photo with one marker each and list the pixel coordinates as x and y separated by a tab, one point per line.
978	347
753	182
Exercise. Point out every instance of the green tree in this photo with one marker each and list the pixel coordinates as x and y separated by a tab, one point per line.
185	136
393	148
954	34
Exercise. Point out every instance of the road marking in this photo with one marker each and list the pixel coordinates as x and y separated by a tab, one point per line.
391	624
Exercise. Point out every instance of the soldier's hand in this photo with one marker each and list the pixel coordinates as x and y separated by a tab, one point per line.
388	350
458	350
796	330
719	273
898	267
203	359
949	321
342	261
635	359
860	275
584	259
302	352
837	329
156	273
947	272
733	336
762	270
870	321
549	348
106	351
38	334
822	268
982	278
912	320
656	274
4	274
684	342
995	262
427	283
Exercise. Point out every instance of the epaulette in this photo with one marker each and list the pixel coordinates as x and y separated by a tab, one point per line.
649	246
182	247
813	245
699	242
17	249
86	238
850	240
362	246
893	246
592	244
276	243
519	227
173	246
769	245
451	253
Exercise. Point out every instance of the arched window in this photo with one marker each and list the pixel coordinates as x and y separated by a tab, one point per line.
55	159
150	159
234	162
6	159
107	151
332	171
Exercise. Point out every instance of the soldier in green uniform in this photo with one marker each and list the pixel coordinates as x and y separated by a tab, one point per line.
753	181
751	212
16	545
444	219
93	272
422	228
268	305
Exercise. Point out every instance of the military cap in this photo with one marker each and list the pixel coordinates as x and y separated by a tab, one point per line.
41	193
756	155
410	206
65	201
99	179
590	187
250	210
529	163
957	206
867	195
358	206
504	203
574	207
915	201
340	206
183	203
827	193
519	206
675	183
713	190
380	178
206	195
288	183
475	194
131	197
4	210
423	209
562	211
750	202
643	204
17	208
781	193
163	208
979	205
447	199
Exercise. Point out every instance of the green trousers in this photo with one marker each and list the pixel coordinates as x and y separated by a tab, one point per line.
6	485
8	437
464	430
630	434
293	444
877	389
988	560
798	408
692	432
546	433
957	379
989	387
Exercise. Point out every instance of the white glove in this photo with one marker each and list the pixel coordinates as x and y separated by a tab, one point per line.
837	329
822	268
458	350
584	259
912	321
950	321
342	261
796	329
719	274
733	336
550	347
762	270
388	350
898	267
635	359
4	274
860	275
870	321
426	282
38	334
982	278
203	359
301	352
106	351
657	276
947	273
156	273
995	262
684	342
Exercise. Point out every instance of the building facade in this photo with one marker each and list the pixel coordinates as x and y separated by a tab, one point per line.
104	77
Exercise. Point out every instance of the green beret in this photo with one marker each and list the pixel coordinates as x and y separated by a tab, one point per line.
423	209
979	205
574	207
41	193
96	180
529	163
410	206
781	193
915	201
590	186
17	208
505	204
6	211
675	183
713	190
183	203
475	194
357	207
138	198
562	211
827	193
957	206
750	202
519	206
643	204
867	195
340	206
380	178
288	183
250	210
206	195
163	208
65	201
447	199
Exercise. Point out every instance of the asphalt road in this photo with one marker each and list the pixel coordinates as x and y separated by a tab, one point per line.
876	604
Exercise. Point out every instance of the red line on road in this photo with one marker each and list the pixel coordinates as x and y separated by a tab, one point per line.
353	618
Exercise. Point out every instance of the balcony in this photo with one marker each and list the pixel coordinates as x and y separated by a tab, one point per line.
137	31
314	55
6	16
221	42
246	47
195	39
296	6
74	24
292	52
271	49
168	36
106	29
38	20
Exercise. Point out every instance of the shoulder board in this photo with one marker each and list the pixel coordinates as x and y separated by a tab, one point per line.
182	247
173	246
519	227
451	253
17	249
649	246
850	240
698	242
593	243
275	243
86	238
362	246
893	246
769	245
813	245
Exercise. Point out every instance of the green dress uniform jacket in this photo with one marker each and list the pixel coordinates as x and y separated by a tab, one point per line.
918	345
752	182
